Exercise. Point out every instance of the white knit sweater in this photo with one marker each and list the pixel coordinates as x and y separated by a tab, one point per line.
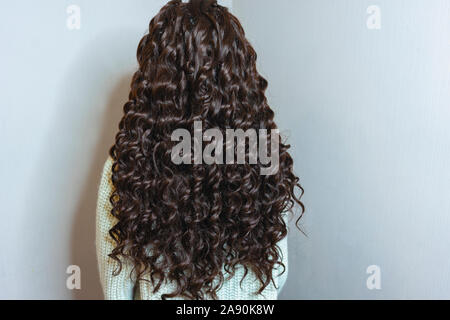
121	287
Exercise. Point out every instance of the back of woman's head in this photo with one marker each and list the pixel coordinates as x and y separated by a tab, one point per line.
195	65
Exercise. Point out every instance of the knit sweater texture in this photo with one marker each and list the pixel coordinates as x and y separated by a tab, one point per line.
123	287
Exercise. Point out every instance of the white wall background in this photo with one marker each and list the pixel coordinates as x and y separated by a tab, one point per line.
367	112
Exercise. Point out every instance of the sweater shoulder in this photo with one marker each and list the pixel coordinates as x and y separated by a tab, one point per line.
107	165
106	184
105	191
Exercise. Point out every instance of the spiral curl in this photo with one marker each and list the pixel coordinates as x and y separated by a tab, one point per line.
195	64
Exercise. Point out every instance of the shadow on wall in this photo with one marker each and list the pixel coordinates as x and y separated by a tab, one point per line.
83	233
92	92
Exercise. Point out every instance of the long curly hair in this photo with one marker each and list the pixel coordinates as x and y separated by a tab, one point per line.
195	64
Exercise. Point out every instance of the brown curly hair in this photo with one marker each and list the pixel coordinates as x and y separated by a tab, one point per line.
195	64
